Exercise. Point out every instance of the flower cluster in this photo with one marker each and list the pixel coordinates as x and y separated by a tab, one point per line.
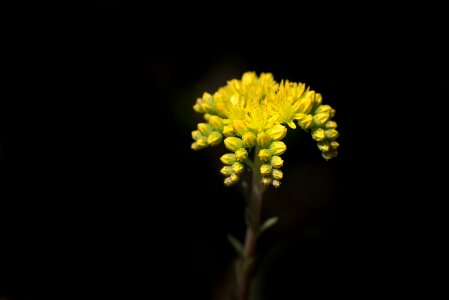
250	114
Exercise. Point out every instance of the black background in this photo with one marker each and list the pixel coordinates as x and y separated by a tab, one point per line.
102	194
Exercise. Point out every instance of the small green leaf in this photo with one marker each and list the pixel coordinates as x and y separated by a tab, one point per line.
267	224
236	244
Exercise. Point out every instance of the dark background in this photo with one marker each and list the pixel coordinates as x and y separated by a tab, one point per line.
102	194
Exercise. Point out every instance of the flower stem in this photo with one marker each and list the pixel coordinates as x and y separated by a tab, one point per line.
254	211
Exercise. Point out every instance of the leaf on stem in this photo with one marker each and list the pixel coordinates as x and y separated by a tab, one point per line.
267	224
236	244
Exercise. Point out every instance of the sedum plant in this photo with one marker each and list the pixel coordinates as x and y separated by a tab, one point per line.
251	117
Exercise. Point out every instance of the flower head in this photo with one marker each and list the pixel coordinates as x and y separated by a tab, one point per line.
255	113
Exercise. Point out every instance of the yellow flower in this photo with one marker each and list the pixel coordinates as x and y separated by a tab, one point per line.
253	113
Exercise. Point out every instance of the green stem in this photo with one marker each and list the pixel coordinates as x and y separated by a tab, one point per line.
254	211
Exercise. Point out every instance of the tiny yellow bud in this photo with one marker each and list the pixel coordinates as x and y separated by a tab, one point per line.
332	113
228	158
228	181
228	130
323	146
238	167
206	107
323	109
249	139
318	99
277	132
276	183
248	78
214	138
276	161
241	154
196	134
329	154
207	117
263	140
331	134
318	134
216	122
277	174
240	127
278	148
231	180
266	181
265	169
227	171
199	144
204	128
197	108
233	143
321	118
264	154
234	178
207	97
331	125
305	121
306	102
291	124
334	145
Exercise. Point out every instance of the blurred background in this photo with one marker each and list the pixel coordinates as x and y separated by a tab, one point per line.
102	194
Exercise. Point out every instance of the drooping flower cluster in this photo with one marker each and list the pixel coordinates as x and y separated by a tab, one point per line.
250	113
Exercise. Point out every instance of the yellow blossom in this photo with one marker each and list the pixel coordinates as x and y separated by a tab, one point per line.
253	114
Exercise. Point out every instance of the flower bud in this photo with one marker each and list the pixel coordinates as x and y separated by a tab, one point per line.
216	122
329	154
249	139
264	154
276	183
227	171
248	78
331	134
306	102
318	134
241	154
276	161
323	146
196	134
277	174
233	143
321	118
318	99
263	140
214	138
334	145
277	132
197	108
206	107
204	128
231	179
228	130
238	167
228	158
323	109
266	181
305	121
331	124
199	144
265	169
278	148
